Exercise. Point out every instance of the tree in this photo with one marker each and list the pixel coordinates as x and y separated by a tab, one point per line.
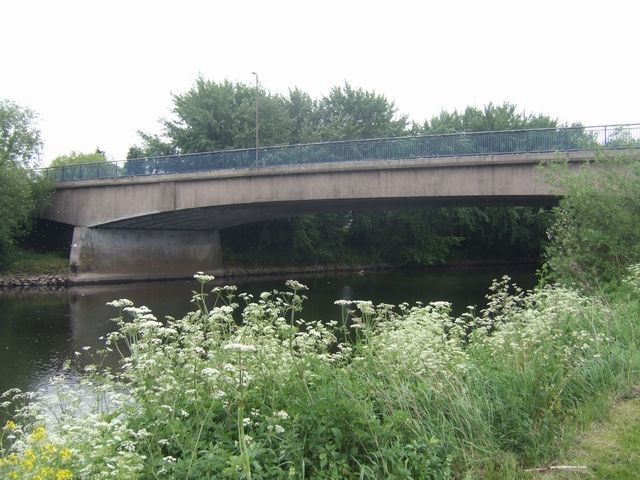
490	118
20	147
349	113
20	141
215	116
77	158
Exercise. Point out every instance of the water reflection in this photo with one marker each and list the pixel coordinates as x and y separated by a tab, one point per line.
40	330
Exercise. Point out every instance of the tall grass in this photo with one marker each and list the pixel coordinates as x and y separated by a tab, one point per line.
385	392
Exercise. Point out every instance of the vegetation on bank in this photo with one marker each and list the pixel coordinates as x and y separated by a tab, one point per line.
22	193
29	262
608	449
384	392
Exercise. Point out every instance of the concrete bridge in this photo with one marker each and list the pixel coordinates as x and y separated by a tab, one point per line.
148	222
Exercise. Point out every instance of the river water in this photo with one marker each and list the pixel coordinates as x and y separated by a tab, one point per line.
40	330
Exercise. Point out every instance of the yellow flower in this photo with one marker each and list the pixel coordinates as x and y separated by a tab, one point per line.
46	472
38	434
64	475
27	464
65	454
11	425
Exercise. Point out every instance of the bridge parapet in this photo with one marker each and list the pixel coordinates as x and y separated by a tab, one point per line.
565	139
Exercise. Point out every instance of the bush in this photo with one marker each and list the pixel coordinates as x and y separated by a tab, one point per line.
596	233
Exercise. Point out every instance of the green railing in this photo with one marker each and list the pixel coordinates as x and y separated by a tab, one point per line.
397	148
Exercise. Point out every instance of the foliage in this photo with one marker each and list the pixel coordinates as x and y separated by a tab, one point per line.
77	158
415	237
386	392
21	192
349	113
20	142
490	117
596	230
35	263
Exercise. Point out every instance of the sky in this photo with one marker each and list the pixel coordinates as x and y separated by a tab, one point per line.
97	72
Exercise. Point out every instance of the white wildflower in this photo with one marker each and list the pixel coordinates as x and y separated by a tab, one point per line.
343	303
202	278
240	347
295	285
123	302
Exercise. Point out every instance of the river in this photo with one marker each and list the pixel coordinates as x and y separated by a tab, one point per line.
39	330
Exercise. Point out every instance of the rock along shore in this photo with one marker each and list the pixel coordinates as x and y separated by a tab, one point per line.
43	280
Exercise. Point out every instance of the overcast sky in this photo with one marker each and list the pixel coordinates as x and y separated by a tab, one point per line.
97	72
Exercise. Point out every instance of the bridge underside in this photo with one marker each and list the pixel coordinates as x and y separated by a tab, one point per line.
220	217
179	243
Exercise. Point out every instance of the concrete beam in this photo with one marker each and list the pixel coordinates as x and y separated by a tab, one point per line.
99	255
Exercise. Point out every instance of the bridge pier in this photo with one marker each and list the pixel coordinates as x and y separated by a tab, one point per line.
119	254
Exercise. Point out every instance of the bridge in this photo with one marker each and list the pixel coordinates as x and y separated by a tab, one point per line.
160	217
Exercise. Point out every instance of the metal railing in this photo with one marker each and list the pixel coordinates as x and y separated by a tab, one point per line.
397	148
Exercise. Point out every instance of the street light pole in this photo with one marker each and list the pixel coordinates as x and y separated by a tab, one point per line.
257	118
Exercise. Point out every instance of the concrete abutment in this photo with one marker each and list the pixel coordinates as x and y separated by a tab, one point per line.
102	255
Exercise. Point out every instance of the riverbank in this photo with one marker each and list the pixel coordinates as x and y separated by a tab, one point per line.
45	270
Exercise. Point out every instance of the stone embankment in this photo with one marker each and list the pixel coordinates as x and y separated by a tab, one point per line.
45	280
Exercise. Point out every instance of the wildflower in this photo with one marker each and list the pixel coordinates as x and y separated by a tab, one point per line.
279	429
64	475
343	303
241	347
11	426
210	372
365	306
202	278
65	454
295	285
282	414
123	302
38	434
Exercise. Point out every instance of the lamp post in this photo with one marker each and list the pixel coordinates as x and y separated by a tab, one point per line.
257	118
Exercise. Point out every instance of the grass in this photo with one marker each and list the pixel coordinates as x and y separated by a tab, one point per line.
609	449
28	262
